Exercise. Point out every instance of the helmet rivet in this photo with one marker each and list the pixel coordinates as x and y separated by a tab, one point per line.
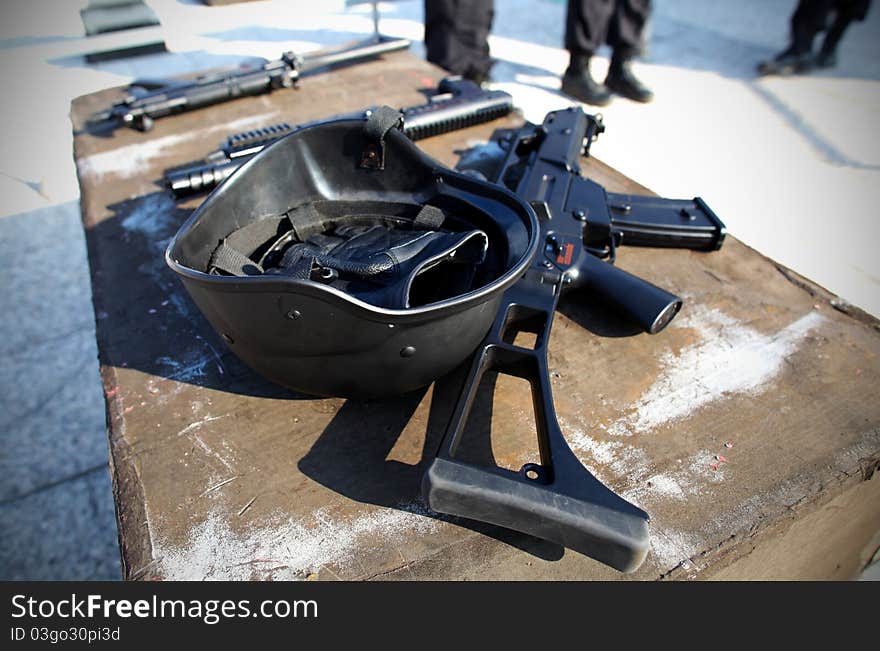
409	351
293	314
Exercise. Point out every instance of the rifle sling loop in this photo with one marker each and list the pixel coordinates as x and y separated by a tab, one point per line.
379	122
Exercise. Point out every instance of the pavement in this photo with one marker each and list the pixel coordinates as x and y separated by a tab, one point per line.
791	164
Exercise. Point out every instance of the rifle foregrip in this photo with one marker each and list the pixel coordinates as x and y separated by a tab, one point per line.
462	111
650	306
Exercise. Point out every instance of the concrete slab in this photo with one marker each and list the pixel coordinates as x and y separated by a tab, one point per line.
60	533
52	423
47	294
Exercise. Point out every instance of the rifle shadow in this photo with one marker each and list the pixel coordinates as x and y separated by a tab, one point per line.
358	463
355	462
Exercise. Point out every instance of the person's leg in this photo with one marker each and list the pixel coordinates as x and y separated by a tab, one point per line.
847	11
586	27
626	38
456	36
440	39
809	18
474	25
827	57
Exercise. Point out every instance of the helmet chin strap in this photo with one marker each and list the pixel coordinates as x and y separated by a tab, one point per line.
379	122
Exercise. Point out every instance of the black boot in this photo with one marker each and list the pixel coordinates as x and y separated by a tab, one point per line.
826	59
622	81
788	62
579	83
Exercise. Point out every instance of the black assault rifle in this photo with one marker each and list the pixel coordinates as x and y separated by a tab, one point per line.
149	99
581	227
459	103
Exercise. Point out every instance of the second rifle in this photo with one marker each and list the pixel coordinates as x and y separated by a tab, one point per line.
150	99
459	103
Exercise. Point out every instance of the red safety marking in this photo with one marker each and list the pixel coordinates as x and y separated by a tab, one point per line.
566	258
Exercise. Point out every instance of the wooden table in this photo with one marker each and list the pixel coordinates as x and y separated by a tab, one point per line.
748	429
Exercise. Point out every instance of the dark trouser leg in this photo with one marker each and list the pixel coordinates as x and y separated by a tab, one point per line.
586	25
456	36
835	33
846	12
810	18
625	36
627	28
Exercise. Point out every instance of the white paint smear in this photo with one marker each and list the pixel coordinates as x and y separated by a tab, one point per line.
664	485
226	461
686	482
128	160
603	452
732	359
671	549
286	549
198	424
153	217
189	370
618	457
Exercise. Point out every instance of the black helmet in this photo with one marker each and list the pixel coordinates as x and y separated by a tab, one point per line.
343	261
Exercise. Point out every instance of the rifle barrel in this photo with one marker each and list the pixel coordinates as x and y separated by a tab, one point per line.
371	47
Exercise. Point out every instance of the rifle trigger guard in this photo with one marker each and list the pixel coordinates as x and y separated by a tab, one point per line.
614	241
379	122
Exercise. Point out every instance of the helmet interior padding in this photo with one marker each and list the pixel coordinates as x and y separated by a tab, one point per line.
404	257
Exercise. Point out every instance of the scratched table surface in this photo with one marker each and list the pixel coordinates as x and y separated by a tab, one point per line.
747	429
